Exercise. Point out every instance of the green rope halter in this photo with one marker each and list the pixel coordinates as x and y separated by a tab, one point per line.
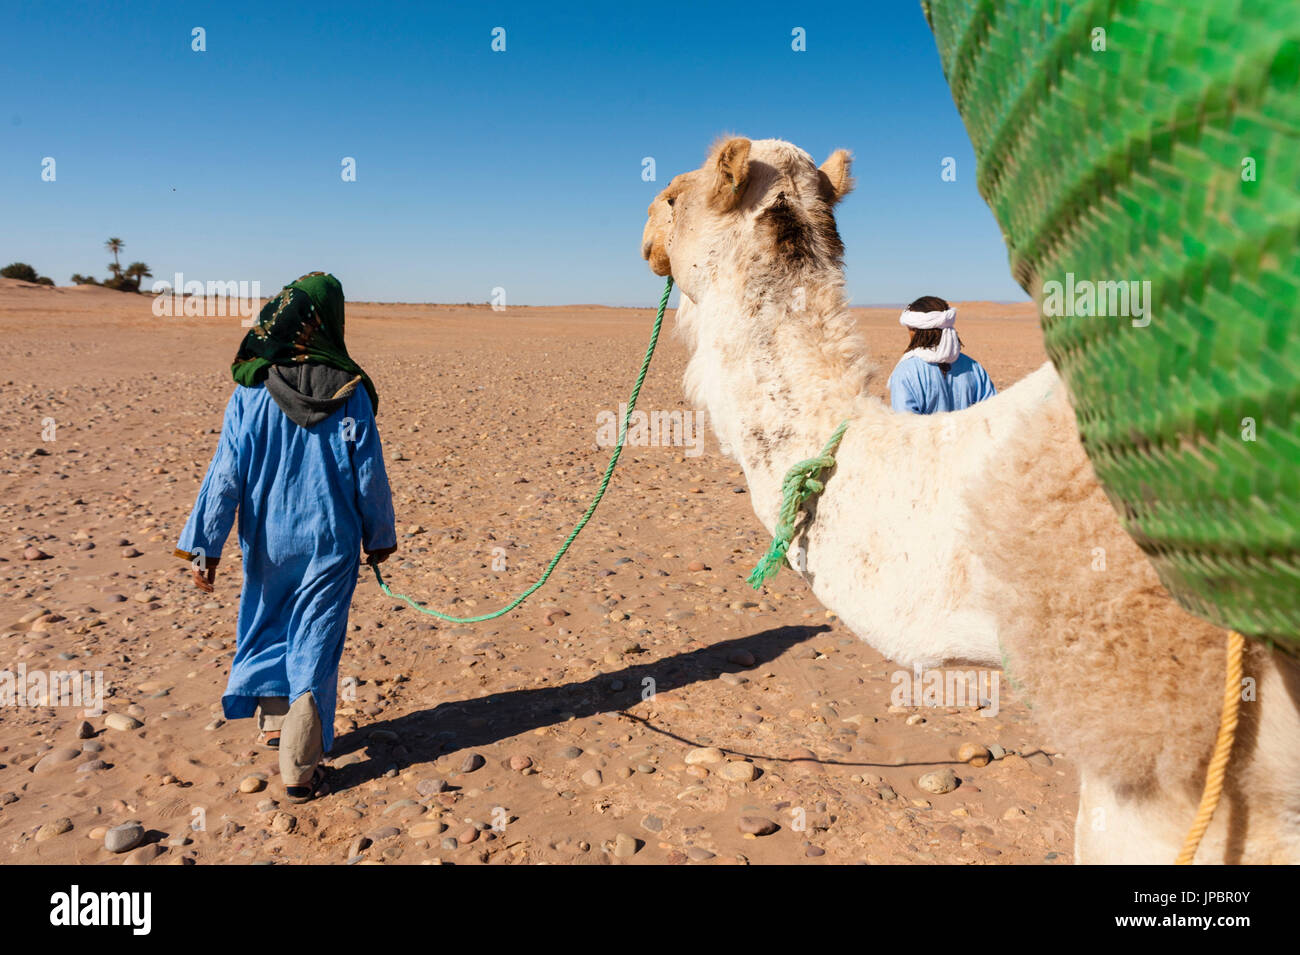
591	508
801	482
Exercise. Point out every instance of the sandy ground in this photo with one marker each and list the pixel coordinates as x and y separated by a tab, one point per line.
521	740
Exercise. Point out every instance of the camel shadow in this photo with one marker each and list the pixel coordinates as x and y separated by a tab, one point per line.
425	735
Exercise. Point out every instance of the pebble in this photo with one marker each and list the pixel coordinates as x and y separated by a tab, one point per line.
652	824
284	822
472	762
696	566
85	730
252	784
123	838
144	855
698	854
592	778
120	721
938	782
430	787
519	762
703	754
757	826
570	752
973	753
51	829
738	771
56	758
422	830
626	846
384	832
405	809
35	553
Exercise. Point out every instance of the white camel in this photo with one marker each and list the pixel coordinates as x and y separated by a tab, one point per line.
978	536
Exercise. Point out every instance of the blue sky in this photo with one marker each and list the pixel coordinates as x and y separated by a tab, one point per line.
475	169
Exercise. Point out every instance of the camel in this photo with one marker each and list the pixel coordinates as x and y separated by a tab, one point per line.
979	536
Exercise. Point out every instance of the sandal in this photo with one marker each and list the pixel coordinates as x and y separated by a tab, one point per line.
269	740
309	791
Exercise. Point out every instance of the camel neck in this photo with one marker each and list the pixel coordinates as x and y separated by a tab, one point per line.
777	367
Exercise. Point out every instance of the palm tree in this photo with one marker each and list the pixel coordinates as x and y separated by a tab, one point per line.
115	246
138	271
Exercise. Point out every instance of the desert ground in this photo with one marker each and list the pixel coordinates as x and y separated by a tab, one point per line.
527	739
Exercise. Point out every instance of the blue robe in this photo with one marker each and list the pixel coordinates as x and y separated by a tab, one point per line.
308	500
922	388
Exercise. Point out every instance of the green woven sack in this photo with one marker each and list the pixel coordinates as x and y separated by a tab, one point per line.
1159	142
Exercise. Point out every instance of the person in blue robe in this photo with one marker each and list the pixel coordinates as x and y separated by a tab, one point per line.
300	463
934	374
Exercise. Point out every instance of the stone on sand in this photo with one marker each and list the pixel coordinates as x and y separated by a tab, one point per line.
738	771
55	759
123	838
973	753
55	828
757	826
938	782
702	755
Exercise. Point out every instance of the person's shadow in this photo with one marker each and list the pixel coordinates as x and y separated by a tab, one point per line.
425	735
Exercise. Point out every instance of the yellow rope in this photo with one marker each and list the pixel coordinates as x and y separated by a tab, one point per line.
346	388
1222	750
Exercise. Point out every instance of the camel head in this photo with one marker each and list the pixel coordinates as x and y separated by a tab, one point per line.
762	203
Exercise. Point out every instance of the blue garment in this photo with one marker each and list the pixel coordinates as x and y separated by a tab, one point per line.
308	499
922	388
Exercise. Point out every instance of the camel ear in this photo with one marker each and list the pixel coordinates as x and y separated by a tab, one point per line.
836	181
731	172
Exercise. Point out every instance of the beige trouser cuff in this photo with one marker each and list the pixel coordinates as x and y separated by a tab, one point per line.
301	738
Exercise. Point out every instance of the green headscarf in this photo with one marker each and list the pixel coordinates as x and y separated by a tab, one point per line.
303	323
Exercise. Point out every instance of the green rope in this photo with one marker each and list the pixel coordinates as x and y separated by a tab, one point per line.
801	482
591	508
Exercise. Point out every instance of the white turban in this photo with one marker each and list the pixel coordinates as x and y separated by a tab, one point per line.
949	346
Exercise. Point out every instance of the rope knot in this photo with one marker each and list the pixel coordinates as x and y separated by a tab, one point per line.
800	483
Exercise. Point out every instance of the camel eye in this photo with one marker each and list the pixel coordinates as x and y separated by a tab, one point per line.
670	200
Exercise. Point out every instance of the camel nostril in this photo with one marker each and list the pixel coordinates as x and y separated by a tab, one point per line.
645	249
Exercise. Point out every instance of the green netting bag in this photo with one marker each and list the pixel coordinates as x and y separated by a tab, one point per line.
1158	142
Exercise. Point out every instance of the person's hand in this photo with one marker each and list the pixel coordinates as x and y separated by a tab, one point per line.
374	557
204	579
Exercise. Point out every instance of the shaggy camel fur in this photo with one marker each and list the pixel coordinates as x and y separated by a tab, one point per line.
978	536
